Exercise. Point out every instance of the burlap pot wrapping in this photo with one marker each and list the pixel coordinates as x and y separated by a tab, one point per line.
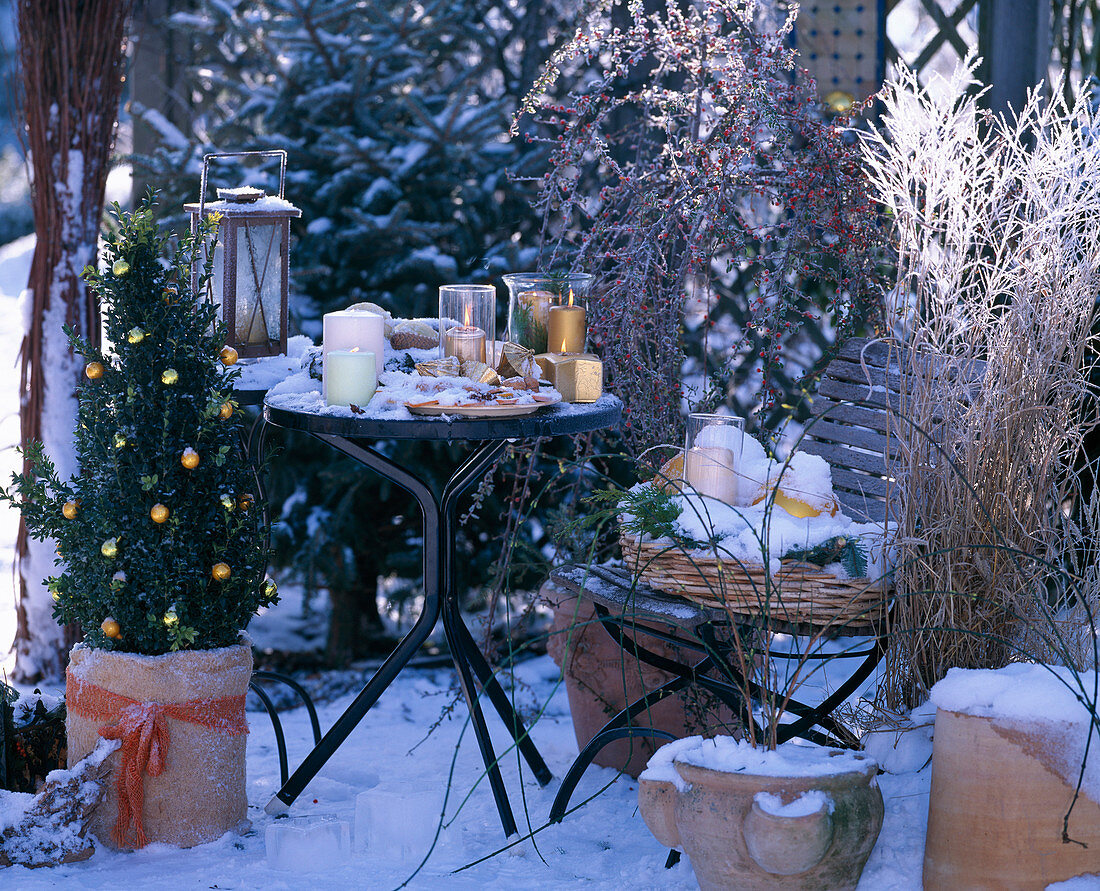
180	773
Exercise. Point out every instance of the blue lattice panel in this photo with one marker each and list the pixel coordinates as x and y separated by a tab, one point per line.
842	44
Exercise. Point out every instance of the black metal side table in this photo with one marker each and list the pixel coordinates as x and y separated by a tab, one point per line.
351	436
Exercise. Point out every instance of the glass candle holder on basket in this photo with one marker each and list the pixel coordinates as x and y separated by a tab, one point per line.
712	455
539	302
467	322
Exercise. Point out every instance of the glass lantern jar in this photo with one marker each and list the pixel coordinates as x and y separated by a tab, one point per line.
712	456
532	295
467	323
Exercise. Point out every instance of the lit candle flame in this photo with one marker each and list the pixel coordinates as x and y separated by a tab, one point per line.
354	350
570	296
467	313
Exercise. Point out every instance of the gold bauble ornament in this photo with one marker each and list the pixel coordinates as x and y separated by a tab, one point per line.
159	513
94	370
135	335
118	580
228	503
245	501
109	548
189	458
120	267
839	102
796	507
270	590
111	629
228	355
170	618
671	474
169	376
69	509
226	411
220	571
120	441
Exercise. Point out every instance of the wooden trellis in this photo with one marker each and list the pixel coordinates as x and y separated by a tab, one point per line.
849	49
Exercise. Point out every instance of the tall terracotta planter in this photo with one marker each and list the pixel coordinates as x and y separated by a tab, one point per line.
179	774
601	680
996	808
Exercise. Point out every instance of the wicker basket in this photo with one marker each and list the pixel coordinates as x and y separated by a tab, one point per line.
799	594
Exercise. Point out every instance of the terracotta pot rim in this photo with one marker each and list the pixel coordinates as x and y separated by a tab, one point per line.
118	654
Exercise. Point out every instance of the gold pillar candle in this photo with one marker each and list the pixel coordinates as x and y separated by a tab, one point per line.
565	331
578	377
465	342
710	471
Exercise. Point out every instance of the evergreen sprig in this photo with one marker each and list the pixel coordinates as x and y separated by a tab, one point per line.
842	549
162	389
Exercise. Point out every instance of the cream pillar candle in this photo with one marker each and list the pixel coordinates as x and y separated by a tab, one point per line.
710	470
350	377
355	329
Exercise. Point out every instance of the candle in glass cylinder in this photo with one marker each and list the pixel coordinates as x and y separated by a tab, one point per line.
465	343
565	329
711	472
350	377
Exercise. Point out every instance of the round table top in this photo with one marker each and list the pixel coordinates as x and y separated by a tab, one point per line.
553	420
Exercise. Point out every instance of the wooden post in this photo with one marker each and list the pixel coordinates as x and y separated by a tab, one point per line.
1014	41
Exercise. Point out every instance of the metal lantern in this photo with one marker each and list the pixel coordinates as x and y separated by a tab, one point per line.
251	267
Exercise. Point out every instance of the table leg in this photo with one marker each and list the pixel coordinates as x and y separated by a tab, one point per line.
458	635
408	645
464	646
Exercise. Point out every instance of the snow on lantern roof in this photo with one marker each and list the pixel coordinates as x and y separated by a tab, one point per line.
269	204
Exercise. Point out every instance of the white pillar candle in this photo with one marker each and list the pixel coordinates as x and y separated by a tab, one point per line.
710	470
355	329
350	377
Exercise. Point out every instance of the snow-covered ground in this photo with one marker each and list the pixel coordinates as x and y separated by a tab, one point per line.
603	844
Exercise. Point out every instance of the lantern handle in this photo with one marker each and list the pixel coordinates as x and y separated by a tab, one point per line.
271	153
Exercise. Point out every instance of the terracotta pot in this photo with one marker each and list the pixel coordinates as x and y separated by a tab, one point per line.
191	704
996	808
601	680
733	842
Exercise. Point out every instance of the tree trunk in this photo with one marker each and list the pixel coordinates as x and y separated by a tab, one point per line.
72	60
355	626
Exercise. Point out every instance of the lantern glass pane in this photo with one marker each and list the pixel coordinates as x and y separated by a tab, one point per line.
259	296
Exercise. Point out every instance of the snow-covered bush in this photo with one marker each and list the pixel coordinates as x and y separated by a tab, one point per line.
694	154
997	223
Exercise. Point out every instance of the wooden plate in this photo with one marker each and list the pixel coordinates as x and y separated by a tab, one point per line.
479	409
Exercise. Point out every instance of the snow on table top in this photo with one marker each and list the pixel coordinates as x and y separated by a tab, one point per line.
729	755
265	373
301	393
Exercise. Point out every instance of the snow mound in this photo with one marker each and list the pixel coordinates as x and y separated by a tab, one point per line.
729	755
